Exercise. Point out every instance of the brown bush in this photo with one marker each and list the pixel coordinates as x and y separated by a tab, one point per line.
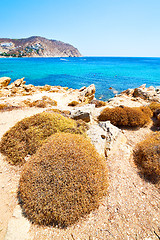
63	181
147	155
65	113
124	116
73	104
147	111
7	107
28	135
41	103
154	106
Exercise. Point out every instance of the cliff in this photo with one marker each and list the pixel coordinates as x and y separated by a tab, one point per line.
36	47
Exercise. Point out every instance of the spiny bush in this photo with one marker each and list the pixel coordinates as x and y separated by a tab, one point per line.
63	181
73	104
28	135
125	116
3	106
65	113
154	106
147	111
147	155
41	103
7	107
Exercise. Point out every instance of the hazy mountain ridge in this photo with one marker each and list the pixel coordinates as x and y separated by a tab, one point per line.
36	47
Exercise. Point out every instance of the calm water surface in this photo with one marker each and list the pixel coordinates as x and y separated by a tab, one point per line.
119	73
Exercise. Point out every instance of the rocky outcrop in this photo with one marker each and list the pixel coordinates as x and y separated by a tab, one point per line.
4	81
87	94
149	94
36	47
106	137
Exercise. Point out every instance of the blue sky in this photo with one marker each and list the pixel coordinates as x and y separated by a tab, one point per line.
95	27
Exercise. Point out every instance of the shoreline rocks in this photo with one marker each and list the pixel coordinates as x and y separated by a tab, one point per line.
151	93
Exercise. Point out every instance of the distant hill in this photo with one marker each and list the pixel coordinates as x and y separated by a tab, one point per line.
36	47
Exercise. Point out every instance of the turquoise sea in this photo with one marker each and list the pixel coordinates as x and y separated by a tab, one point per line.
119	73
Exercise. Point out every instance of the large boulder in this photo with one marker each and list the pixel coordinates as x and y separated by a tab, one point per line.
106	137
84	113
87	94
4	81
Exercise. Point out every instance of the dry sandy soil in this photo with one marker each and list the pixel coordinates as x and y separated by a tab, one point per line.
131	210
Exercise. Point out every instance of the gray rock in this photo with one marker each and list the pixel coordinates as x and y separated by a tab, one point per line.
85	113
98	138
105	137
78	114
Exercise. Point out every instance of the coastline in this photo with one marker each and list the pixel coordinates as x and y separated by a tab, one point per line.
128	193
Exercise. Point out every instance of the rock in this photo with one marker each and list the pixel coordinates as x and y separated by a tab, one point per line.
143	86
112	134
18	226
106	137
87	94
98	138
4	81
129	91
78	114
85	113
28	88
19	82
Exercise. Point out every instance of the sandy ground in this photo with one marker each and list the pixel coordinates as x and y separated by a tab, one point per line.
131	210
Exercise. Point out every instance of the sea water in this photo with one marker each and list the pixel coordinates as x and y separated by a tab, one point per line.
119	73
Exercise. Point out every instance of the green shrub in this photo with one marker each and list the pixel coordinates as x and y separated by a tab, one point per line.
125	116
63	181
147	155
28	135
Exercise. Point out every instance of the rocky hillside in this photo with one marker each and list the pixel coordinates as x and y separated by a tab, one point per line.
36	47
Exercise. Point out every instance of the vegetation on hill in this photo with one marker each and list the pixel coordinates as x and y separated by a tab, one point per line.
36	46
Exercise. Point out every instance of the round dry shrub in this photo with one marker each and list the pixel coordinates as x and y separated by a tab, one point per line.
117	116
158	120
125	116
154	106
147	111
65	180
147	155
28	135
